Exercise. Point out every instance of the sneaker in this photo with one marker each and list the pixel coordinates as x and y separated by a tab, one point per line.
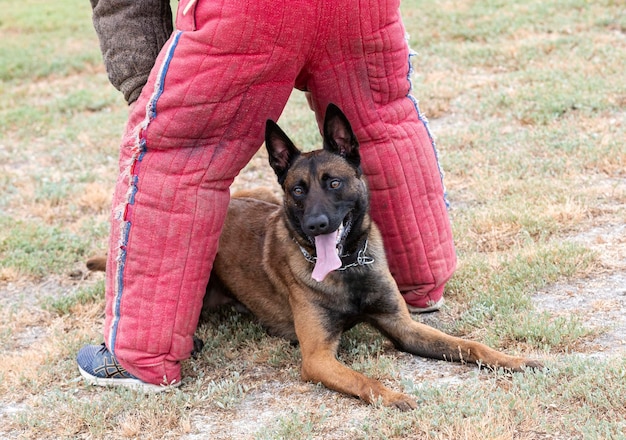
99	367
431	306
424	302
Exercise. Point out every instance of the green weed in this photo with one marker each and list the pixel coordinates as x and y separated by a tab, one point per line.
121	413
41	39
36	249
500	300
225	393
297	424
64	305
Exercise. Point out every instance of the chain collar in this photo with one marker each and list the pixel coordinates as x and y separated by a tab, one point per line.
348	260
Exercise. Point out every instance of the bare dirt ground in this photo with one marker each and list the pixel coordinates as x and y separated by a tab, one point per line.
599	301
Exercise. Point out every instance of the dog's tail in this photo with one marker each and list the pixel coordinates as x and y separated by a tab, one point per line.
98	264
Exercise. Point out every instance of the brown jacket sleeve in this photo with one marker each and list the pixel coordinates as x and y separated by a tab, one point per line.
131	34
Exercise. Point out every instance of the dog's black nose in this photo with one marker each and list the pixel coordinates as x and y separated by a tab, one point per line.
317	224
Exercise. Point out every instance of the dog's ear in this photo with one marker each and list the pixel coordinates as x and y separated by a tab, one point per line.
282	152
339	137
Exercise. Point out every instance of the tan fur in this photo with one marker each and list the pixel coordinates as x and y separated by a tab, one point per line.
98	263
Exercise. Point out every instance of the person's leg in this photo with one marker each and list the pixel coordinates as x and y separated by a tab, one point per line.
365	69
197	122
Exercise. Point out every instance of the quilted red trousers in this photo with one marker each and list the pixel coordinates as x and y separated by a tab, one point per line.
228	67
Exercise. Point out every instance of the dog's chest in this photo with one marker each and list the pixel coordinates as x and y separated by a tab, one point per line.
358	293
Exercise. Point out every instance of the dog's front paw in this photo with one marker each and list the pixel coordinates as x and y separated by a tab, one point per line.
401	402
533	364
520	364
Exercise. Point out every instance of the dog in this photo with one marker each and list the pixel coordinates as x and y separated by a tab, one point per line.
313	265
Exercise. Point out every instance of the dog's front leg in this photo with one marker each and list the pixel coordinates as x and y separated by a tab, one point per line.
318	346
423	340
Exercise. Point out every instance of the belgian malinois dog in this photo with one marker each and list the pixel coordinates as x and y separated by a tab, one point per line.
313	266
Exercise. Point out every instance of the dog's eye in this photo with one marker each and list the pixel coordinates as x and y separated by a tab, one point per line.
334	184
297	191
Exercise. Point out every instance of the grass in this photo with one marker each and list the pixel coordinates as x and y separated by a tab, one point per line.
526	100
301	424
44	39
517	406
67	304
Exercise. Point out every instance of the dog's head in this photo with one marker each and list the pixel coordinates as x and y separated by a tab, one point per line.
326	198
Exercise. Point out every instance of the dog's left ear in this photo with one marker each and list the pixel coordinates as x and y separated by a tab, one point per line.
339	137
281	151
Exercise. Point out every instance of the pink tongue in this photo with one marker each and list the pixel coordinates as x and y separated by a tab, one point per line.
327	258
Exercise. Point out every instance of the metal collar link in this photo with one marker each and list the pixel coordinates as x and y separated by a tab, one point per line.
360	260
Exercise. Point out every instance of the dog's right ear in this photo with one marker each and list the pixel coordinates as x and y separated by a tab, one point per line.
282	152
339	137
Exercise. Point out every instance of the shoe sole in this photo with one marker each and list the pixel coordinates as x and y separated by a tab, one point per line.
135	384
432	308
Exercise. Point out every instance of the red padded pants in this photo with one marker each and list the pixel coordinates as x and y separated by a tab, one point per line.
228	67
